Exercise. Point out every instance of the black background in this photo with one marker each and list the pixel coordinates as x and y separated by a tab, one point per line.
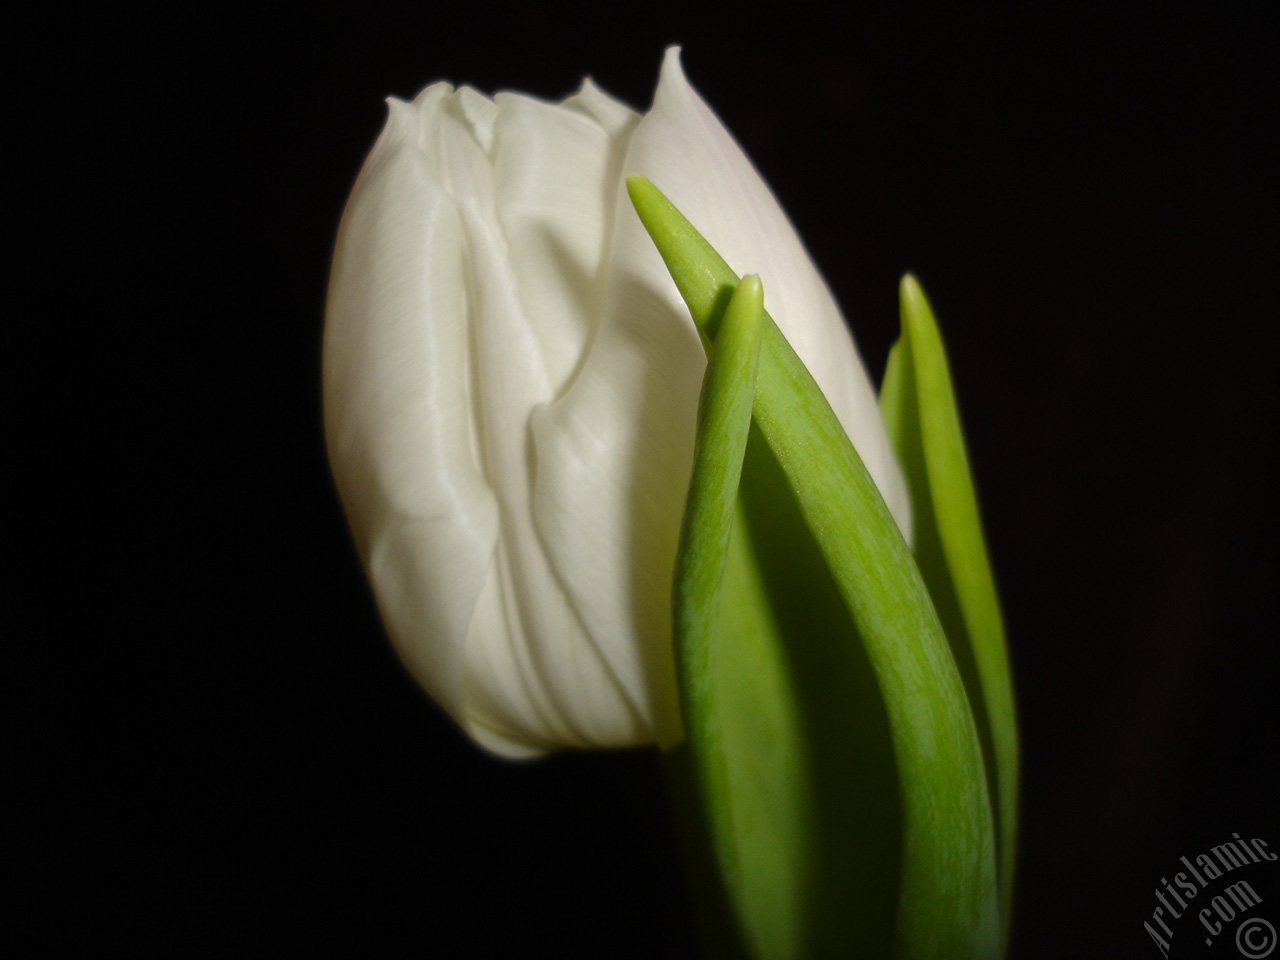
224	752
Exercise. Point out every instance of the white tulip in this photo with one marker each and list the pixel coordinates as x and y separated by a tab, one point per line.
510	389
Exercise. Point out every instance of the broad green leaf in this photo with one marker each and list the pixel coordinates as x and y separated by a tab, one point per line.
919	407
837	759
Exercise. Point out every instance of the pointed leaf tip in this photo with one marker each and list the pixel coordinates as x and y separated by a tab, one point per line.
921	413
640	190
911	296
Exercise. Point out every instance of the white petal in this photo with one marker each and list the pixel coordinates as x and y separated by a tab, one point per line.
617	119
397	413
614	456
480	113
555	178
534	679
686	152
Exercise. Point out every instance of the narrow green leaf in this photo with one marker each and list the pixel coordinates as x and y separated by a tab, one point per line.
724	421
853	775
920	409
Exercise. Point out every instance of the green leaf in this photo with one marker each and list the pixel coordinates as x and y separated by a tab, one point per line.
919	407
724	421
836	759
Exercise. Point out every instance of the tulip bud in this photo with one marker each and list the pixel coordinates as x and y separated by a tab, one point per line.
511	384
